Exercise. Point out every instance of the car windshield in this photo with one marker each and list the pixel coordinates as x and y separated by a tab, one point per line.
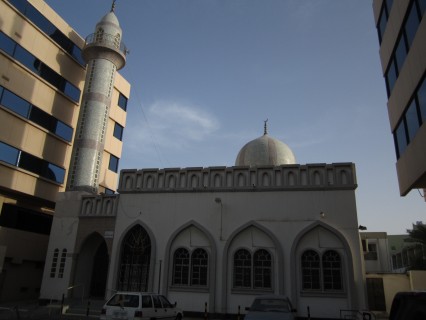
271	305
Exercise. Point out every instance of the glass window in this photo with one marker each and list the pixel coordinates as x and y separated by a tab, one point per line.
109	191
311	270
62	264
27	59
39	20
242	269
262	264
412	24
7	44
199	266
146	302
63	130
422	6
55	173
122	102
332	270
72	91
113	163
401	139
181	267
118	131
15	103
54	263
391	76
413	121
8	154
157	302
389	5
19	4
400	53
421	98
43	119
381	27
1	93
166	303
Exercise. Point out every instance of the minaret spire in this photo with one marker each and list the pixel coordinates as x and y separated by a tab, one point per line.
265	127
113	6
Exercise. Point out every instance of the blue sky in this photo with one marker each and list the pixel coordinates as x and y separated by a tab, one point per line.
206	73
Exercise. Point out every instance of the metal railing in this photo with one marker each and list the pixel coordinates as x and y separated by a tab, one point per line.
107	40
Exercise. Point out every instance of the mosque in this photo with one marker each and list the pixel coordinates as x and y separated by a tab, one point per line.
212	237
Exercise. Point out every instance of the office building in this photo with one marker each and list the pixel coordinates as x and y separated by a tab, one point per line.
42	80
402	35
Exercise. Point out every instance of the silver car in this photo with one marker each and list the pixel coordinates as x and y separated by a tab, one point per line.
270	307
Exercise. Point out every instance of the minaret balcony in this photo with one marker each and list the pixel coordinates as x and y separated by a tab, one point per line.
104	45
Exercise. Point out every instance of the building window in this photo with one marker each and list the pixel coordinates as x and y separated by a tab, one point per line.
332	271
122	102
199	267
321	274
109	191
411	120
25	109
62	263
31	163
48	28
311	270
190	269
54	263
253	273
262	263
181	267
39	68
118	131
383	19
113	163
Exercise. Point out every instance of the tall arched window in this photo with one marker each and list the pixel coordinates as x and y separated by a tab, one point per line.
242	269
181	267
253	273
135	260
311	270
190	268
199	266
332	270
321	273
262	264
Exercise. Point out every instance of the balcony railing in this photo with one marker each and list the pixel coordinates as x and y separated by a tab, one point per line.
106	40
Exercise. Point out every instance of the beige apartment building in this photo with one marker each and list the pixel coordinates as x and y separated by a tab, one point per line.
401	29
42	77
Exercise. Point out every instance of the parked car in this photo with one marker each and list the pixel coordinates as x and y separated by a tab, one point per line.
408	306
270	307
139	306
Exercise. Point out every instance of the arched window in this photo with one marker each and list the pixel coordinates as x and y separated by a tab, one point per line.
311	270
135	260
242	269
190	269
322	273
332	270
199	266
54	263
62	264
253	273
181	267
262	263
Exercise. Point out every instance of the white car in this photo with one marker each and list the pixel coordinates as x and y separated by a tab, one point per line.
139	306
270	307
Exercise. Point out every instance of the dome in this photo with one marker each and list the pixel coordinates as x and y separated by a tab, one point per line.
265	151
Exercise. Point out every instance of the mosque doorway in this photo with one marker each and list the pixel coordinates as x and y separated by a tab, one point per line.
134	260
91	268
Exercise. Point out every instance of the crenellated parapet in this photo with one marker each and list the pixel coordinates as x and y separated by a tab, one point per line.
286	177
99	205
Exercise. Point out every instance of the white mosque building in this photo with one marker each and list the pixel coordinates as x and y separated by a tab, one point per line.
213	237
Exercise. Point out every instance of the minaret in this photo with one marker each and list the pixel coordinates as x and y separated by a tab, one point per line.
104	53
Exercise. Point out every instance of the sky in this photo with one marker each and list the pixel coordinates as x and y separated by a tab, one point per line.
205	74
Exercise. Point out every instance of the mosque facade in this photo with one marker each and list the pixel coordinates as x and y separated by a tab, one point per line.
216	236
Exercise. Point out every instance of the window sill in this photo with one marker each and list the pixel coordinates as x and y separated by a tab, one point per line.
189	289
251	291
332	294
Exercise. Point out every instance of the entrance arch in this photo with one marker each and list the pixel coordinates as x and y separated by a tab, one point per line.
135	259
91	268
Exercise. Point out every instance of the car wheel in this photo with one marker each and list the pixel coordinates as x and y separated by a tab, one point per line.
179	317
